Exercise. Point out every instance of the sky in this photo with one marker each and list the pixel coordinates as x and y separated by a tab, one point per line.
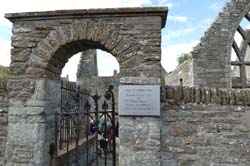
187	21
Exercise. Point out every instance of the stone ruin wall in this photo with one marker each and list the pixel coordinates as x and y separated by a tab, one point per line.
205	126
3	118
182	72
211	58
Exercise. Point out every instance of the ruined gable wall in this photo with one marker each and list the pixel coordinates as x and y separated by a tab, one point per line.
205	126
211	58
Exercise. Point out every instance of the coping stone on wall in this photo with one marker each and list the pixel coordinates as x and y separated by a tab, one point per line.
140	80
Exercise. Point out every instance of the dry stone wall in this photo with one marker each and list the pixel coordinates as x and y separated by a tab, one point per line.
205	126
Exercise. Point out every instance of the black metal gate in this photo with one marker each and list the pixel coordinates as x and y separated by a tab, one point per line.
85	131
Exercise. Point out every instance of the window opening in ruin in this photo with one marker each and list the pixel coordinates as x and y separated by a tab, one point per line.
240	56
233	56
89	63
181	82
244	22
238	38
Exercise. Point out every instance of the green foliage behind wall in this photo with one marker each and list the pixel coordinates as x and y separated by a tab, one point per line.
4	73
183	57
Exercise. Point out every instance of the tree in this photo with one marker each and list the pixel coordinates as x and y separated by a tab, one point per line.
183	57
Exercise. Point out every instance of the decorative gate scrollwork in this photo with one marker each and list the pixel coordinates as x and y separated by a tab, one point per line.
85	134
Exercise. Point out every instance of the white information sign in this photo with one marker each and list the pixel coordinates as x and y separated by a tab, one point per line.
139	100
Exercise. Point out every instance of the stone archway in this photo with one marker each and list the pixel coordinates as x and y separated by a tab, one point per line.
42	44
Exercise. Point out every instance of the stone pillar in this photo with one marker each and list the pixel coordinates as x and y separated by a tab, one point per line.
139	134
31	125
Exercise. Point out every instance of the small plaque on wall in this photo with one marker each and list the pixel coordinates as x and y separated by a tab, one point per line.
139	100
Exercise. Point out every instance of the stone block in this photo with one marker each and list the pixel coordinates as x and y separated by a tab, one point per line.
178	93
187	94
184	130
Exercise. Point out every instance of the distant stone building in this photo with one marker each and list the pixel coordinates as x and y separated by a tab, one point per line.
182	75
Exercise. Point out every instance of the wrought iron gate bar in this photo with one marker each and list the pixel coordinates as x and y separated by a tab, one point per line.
83	113
72	90
74	131
110	95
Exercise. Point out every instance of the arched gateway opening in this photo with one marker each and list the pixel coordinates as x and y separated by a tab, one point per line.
42	44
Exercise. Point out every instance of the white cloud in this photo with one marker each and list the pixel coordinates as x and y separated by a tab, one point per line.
217	6
6	23
12	6
106	63
178	18
169	5
178	33
164	3
5	52
159	3
44	5
70	69
171	52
